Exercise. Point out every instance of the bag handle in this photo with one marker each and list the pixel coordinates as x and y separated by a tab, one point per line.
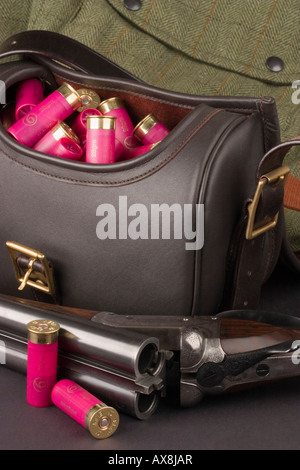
68	51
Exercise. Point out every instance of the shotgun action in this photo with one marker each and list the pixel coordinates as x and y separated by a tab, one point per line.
196	356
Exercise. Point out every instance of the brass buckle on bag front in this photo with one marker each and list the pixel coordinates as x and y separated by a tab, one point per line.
42	279
274	178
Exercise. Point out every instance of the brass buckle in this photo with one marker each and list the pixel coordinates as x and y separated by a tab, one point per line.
43	282
274	178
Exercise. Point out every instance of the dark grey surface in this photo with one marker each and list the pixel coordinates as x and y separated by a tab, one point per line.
261	418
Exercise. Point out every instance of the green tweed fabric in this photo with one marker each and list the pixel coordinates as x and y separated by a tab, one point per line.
210	47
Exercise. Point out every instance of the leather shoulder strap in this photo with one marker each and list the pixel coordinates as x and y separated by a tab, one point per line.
291	201
292	193
292	187
64	49
257	243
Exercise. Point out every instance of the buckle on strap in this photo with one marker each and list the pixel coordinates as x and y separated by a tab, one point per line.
42	278
273	178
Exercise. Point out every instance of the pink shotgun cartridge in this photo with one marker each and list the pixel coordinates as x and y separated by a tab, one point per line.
79	126
99	419
100	139
29	94
89	98
124	126
56	107
42	350
150	130
138	151
61	141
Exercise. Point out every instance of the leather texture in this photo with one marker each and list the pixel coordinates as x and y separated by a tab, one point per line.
67	52
216	152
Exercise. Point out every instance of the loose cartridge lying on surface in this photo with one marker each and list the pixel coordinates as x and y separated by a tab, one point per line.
125	369
99	419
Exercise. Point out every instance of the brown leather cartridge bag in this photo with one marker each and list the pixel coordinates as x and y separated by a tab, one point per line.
216	168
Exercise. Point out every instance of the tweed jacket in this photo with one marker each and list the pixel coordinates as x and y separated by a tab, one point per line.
213	47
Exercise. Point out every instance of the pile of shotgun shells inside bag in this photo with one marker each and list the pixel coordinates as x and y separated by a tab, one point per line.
101	132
